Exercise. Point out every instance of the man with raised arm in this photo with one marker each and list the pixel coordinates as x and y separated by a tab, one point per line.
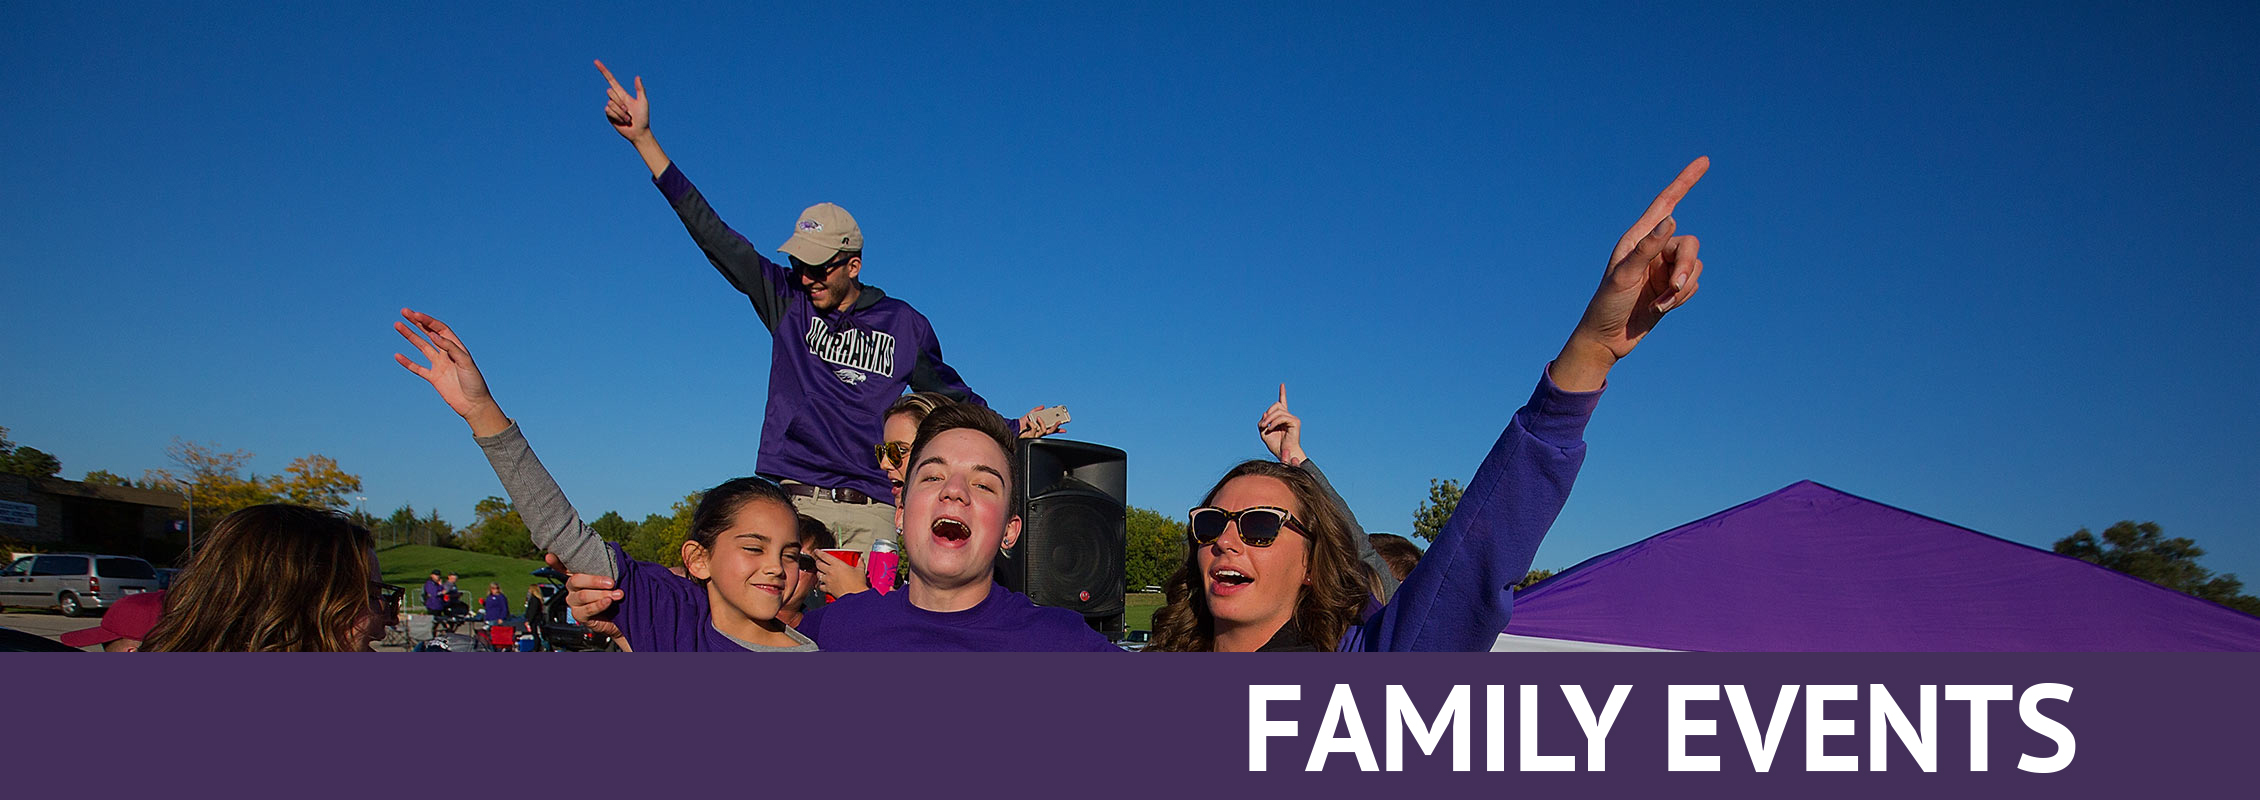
841	351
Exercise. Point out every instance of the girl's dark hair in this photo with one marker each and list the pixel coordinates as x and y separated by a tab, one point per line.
719	506
1399	551
272	578
1340	586
816	534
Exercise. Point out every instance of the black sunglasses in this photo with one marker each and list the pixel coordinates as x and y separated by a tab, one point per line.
1259	525
818	272
387	595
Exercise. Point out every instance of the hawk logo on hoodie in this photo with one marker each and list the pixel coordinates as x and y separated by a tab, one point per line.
849	376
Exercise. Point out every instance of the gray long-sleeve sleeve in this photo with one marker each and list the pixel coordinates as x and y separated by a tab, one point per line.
556	527
1373	560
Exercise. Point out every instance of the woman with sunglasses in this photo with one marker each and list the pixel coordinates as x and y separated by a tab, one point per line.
1278	563
740	557
278	578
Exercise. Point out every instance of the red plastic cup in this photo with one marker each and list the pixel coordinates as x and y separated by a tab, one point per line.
854	558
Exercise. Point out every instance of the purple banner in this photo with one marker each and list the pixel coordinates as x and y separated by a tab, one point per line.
1133	725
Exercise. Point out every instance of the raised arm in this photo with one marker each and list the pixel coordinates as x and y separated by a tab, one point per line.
1282	433
555	526
762	281
1462	594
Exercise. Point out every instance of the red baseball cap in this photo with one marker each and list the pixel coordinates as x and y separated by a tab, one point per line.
130	618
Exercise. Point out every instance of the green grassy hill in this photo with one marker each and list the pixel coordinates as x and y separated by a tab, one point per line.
409	564
1138	611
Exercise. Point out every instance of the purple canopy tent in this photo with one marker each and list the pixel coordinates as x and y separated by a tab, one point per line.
1810	568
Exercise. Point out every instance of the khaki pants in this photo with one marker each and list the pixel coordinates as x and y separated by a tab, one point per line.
855	525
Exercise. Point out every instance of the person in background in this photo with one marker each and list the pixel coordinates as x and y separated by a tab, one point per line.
435	595
1399	551
278	578
495	607
123	626
800	589
454	594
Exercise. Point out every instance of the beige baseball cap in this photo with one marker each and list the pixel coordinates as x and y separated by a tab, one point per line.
824	230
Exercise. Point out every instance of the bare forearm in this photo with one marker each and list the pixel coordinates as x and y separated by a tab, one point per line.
647	146
1583	366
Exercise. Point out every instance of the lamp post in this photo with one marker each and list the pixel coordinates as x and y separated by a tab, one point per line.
190	496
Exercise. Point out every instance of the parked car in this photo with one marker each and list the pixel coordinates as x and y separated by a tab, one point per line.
74	583
165	577
557	630
1135	641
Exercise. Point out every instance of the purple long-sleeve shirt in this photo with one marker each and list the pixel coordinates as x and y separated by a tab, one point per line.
832	374
1459	597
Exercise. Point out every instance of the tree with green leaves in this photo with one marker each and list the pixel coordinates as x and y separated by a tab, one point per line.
613	528
659	539
1153	548
2143	551
1531	577
25	460
103	477
1430	516
498	530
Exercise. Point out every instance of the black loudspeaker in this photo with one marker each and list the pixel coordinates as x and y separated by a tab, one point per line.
1072	497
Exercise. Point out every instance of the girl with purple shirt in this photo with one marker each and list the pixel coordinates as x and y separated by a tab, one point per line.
741	554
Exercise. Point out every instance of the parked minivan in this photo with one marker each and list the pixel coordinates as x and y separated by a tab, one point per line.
74	583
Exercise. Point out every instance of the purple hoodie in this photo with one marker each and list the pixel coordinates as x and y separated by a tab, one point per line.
831	374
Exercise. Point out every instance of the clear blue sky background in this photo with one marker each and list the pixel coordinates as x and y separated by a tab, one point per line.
1994	265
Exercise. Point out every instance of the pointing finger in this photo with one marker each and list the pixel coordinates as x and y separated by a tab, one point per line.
607	74
1667	200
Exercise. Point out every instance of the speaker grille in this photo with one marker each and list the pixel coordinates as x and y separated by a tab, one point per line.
1078	551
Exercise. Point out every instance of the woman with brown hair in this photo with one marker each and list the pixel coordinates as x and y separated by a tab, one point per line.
277	578
1275	558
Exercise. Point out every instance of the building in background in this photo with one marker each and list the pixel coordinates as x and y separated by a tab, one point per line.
52	515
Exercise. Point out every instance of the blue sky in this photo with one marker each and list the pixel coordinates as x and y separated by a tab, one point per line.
1989	264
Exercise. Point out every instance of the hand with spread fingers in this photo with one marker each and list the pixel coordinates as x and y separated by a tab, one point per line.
1652	271
452	373
1282	432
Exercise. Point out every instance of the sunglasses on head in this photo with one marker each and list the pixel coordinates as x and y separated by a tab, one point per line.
891	454
1259	525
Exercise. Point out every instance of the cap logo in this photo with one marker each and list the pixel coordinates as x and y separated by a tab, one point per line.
811	225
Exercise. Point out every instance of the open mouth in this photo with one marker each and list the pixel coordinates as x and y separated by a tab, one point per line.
950	530
1230	578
